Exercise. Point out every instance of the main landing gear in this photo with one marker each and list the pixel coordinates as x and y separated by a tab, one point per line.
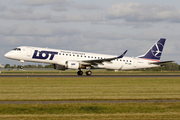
88	73
80	72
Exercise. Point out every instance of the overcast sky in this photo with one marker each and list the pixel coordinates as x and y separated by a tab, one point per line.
99	26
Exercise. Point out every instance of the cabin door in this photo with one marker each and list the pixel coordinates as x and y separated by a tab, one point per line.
135	61
29	51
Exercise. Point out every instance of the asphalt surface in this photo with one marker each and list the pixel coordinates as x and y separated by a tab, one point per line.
84	76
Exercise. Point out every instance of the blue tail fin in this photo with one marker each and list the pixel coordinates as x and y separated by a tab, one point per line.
156	50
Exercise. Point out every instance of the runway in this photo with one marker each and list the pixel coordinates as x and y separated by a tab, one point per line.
92	76
73	102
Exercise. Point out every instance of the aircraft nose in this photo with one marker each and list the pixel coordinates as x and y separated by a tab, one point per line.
7	55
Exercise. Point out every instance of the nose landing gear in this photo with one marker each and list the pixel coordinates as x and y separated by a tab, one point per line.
22	61
21	67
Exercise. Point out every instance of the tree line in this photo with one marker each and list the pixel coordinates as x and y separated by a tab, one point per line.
28	66
167	67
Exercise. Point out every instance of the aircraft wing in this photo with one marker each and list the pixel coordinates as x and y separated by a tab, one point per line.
161	63
100	61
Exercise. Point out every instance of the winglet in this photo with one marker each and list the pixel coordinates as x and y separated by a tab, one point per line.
121	56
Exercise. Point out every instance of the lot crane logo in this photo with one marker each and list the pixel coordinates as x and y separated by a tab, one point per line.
43	55
157	50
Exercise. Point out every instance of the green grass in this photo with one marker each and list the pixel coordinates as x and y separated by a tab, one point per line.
89	89
91	111
20	89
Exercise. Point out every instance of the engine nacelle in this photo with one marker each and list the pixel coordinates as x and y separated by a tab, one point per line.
73	65
59	67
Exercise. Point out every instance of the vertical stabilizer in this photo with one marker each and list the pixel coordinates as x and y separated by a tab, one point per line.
155	51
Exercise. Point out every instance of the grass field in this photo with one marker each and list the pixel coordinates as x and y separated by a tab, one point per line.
30	89
91	111
89	88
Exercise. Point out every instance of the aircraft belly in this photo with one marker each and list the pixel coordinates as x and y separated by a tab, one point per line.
113	66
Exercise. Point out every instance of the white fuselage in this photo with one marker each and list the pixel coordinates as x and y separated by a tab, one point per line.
56	56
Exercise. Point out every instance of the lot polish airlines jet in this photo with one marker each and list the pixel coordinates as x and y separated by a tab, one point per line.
64	59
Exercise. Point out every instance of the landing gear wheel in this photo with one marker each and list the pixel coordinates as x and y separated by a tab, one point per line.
88	73
80	72
22	61
21	67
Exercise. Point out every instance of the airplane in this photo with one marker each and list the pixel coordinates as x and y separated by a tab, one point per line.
1	66
65	59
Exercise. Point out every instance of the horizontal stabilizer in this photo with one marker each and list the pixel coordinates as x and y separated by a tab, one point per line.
161	63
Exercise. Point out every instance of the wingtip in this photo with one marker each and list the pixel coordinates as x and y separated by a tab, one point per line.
121	56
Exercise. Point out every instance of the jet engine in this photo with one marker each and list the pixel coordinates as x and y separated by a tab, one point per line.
73	65
69	65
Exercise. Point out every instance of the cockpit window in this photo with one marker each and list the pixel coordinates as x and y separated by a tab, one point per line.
17	49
